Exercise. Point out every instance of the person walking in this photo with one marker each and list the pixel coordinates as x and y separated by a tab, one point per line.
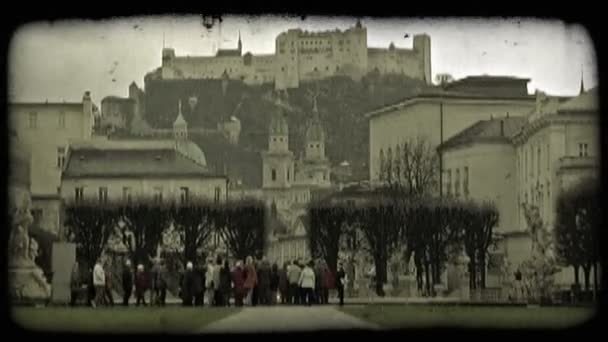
153	278
225	283
327	283
255	294
75	284
108	297
99	281
293	277
197	286
318	293
251	280
90	288
127	282
274	283
264	282
341	282
141	285
188	285
209	284
283	283
238	279
161	283
217	293
307	283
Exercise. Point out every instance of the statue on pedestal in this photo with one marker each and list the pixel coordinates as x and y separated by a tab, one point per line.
27	281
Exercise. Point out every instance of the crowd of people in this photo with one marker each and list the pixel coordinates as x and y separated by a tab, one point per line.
215	283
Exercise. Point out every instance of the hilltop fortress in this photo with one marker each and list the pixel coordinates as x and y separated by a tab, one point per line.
302	56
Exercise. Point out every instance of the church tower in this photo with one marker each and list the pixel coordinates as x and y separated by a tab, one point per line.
315	136
240	46
180	126
314	169
278	165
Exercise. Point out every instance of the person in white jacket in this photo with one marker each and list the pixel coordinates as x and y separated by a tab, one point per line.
307	283
99	281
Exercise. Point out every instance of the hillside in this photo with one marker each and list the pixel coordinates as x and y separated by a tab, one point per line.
341	103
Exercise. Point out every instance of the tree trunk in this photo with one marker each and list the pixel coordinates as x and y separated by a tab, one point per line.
427	277
576	275
586	272
482	271
595	281
472	275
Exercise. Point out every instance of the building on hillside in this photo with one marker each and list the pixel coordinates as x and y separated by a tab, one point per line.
46	129
117	112
303	56
438	113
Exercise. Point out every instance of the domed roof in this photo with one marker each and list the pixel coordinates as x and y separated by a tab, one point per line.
278	124
314	131
191	150
179	121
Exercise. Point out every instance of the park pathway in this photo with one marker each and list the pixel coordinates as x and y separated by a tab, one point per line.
286	319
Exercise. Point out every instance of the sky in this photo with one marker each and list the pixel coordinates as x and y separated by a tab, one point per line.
59	61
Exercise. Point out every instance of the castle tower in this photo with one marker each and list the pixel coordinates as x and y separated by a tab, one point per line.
180	126
278	165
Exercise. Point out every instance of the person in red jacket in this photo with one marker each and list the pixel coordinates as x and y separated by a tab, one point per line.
238	279
328	283
141	285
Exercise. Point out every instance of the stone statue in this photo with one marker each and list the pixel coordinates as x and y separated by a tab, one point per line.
27	281
33	250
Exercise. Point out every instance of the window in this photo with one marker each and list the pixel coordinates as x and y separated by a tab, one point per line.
33	120
158	194
183	195
274	139
457	184
287	174
60	157
448	181
103	195
126	194
465	182
582	150
218	194
61	122
273	174
79	194
324	176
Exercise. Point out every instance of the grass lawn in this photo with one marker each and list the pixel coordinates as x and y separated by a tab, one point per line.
119	319
422	316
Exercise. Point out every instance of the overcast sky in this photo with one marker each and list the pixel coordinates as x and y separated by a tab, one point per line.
60	60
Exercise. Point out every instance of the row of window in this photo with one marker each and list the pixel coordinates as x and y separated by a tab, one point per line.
533	158
456	182
157	194
33	120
